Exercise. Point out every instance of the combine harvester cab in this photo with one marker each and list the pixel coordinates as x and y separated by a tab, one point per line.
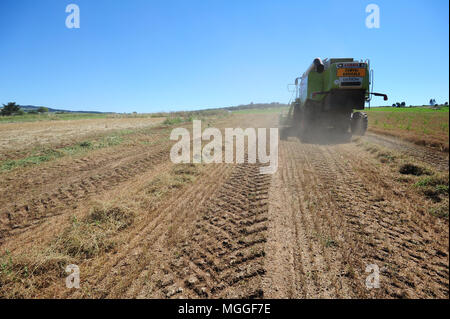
326	96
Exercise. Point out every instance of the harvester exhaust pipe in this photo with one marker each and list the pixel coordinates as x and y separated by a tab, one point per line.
318	64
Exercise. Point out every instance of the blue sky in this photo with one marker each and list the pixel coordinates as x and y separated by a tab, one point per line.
145	56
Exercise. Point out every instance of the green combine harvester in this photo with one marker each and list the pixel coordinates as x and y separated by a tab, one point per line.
326	96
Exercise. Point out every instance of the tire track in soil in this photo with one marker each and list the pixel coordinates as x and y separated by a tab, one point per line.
313	256
400	238
49	190
323	225
316	222
305	248
224	254
428	155
330	225
377	234
86	180
285	277
327	185
115	276
47	175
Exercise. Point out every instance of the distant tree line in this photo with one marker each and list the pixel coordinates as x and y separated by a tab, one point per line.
432	103
398	104
12	108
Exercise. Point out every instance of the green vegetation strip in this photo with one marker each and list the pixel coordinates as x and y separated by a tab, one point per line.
421	120
407	109
46	155
177	120
52	117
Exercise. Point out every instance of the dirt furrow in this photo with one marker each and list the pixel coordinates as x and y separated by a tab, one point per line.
223	255
113	275
376	241
317	257
428	155
400	236
19	215
340	224
225	230
322	220
283	268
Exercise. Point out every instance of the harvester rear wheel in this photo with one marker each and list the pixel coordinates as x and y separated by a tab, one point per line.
359	123
305	124
283	134
342	123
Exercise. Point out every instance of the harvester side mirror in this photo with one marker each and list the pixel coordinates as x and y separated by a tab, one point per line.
385	97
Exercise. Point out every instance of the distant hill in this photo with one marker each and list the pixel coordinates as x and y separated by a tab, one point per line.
255	106
34	108
28	108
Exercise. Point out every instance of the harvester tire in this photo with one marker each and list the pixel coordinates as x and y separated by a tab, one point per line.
359	123
283	134
304	127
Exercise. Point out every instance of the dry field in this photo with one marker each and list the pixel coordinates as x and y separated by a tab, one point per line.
139	226
18	137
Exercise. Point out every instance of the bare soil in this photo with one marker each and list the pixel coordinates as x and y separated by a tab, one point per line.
225	230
